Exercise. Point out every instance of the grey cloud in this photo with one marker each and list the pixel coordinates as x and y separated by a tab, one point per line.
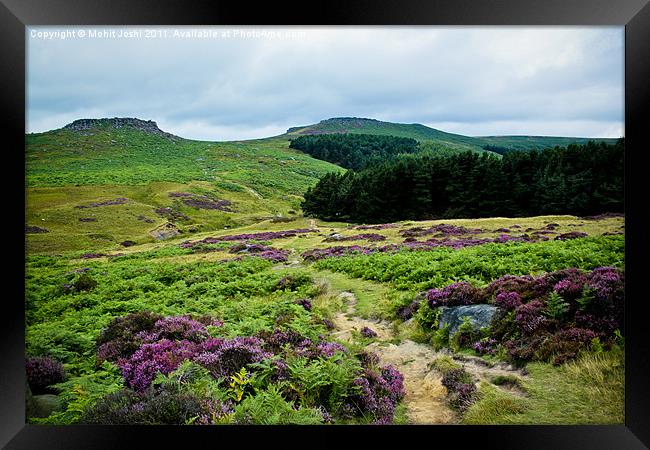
544	78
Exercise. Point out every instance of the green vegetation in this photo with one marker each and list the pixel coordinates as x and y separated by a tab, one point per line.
439	140
415	271
589	390
151	331
580	180
354	151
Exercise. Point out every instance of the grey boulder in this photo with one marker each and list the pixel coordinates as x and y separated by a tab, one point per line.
479	316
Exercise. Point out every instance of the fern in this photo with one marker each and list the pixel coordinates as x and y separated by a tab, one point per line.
269	407
556	307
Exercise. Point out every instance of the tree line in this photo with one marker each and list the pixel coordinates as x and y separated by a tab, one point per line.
577	179
354	151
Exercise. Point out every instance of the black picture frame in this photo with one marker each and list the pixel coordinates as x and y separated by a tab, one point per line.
15	15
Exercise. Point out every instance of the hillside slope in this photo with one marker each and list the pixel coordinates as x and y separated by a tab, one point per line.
96	183
433	138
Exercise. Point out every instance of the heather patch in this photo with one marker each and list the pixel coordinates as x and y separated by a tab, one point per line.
382	226
145	219
42	372
570	235
117	201
264	236
552	317
33	229
441	230
171	213
350	387
260	251
372	237
199	203
411	243
92	255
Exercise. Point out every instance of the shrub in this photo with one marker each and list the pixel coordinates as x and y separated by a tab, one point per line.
84	283
565	345
292	282
178	328
42	372
162	406
486	346
455	294
556	307
529	317
440	338
368	332
225	357
379	393
406	312
163	356
461	388
465	336
305	303
270	407
120	338
507	300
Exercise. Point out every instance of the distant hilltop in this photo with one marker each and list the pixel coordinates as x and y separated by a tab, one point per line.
148	126
335	125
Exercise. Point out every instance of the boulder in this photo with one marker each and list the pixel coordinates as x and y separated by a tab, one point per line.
165	231
479	315
46	404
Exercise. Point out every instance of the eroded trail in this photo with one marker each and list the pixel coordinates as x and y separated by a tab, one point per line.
425	396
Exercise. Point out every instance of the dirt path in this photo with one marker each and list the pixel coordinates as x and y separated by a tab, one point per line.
425	398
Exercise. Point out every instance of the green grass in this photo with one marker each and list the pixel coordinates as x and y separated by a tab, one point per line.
480	264
589	390
374	300
64	169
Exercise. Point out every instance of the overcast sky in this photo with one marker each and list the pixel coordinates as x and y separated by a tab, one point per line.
554	81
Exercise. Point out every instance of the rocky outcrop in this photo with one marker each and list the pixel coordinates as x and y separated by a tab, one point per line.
479	315
148	126
165	231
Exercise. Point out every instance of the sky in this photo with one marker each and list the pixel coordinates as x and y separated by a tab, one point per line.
231	83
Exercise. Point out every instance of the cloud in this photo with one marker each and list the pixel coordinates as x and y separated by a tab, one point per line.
556	80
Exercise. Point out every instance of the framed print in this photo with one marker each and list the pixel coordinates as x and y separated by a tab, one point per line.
345	223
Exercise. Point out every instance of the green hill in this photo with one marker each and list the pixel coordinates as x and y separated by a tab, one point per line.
75	174
98	182
538	142
432	138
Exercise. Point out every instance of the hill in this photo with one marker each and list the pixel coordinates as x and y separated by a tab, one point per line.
422	133
96	183
76	176
433	138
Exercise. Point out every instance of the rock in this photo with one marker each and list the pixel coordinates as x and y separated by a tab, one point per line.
165	231
148	126
34	229
30	406
46	404
480	316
